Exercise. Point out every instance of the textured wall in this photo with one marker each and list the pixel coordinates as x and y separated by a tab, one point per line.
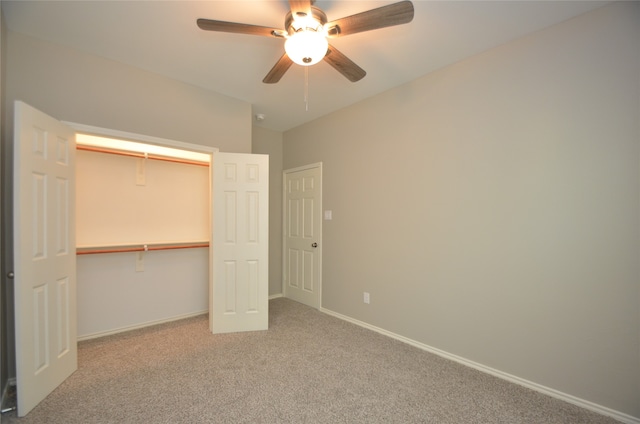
491	208
6	293
72	86
270	142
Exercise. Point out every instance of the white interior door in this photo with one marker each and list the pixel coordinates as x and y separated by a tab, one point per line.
44	237
303	233
240	254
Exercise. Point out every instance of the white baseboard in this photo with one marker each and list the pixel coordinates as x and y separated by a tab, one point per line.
620	416
149	323
137	326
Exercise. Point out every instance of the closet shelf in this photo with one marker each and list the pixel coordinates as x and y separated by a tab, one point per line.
139	247
140	155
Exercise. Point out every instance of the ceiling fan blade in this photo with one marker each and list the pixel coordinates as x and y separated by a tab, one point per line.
278	70
300	7
382	17
221	26
344	65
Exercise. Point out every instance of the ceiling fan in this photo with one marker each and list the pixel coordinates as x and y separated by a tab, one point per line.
307	30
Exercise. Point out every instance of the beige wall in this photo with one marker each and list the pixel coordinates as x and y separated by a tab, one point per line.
270	142
72	86
492	208
6	363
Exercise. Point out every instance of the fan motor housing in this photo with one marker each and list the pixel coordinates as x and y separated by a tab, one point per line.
293	24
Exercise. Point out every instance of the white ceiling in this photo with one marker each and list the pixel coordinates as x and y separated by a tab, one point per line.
162	36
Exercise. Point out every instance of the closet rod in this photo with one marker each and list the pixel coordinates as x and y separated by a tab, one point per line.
140	155
140	248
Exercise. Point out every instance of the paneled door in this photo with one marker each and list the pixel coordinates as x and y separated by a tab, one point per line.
240	284
303	234
45	254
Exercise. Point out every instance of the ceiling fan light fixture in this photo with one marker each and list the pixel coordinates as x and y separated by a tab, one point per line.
306	47
306	29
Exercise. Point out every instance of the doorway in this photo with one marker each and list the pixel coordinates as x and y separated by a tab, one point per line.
142	234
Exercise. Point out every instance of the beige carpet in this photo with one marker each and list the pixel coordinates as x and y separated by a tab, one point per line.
307	368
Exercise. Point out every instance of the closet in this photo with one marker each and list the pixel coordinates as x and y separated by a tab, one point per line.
142	235
110	241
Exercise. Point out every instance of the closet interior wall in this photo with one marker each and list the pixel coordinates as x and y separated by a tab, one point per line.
137	203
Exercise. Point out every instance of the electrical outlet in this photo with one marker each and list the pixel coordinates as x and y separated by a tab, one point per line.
367	299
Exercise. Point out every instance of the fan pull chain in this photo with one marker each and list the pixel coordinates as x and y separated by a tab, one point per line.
306	88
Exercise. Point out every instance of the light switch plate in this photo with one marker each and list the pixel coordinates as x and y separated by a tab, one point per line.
328	215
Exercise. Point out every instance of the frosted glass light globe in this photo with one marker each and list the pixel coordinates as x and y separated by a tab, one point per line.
306	48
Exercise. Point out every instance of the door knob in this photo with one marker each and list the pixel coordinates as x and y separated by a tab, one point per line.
314	244
10	274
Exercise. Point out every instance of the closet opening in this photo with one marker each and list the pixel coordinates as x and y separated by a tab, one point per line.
67	198
143	232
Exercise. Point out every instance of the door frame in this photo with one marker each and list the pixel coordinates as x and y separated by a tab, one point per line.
284	226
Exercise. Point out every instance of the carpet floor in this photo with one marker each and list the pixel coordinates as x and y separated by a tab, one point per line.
309	367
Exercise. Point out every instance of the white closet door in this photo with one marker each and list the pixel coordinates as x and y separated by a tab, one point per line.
44	237
240	255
